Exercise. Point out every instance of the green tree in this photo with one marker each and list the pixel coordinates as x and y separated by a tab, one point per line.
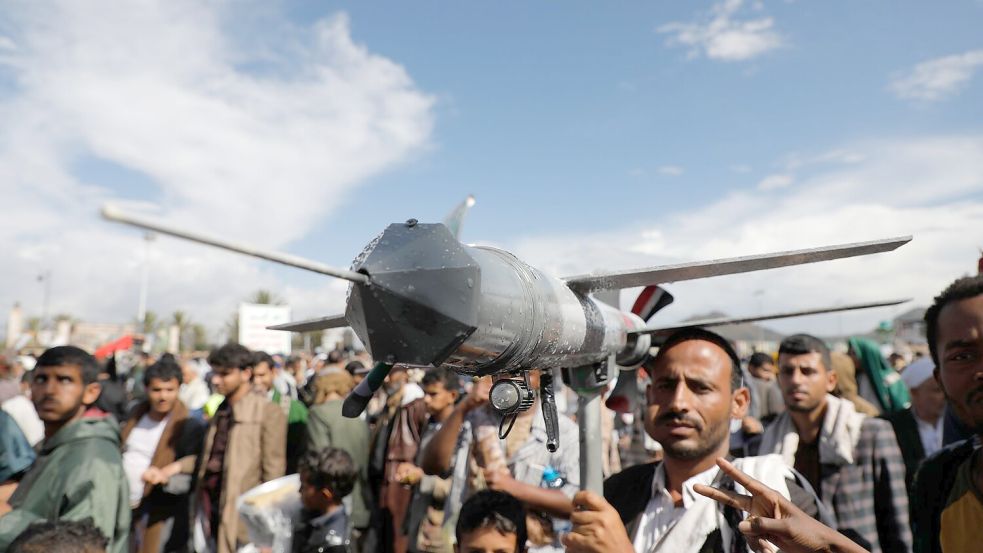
150	323
181	320
265	297
200	337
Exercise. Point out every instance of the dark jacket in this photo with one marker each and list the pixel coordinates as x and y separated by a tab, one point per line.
322	534
78	474
112	399
930	492
629	492
164	510
909	440
327	427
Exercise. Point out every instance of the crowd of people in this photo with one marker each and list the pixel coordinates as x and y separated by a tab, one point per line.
803	449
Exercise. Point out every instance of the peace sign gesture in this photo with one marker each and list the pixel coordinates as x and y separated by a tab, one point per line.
774	519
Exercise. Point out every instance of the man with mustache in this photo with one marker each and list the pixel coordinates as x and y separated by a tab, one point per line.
79	470
695	398
853	461
948	487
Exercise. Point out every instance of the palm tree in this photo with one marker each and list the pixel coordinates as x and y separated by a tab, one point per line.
265	297
150	323
199	337
181	320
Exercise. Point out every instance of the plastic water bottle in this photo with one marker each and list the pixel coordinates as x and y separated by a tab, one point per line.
552	478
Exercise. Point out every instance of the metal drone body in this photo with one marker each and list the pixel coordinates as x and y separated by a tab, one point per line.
418	296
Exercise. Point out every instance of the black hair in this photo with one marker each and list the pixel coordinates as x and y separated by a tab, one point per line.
263	357
60	356
759	359
335	356
493	509
330	468
799	344
60	536
166	368
961	289
231	356
696	333
291	361
443	375
354	366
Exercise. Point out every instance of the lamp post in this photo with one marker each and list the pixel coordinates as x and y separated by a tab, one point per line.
148	237
45	280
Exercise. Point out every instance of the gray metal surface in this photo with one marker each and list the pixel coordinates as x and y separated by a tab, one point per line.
310	325
722	321
113	214
424	296
728	266
591	443
526	318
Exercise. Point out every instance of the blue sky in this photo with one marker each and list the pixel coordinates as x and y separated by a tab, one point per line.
593	137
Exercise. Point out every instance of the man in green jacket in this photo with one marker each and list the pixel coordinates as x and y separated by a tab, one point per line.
79	470
326	427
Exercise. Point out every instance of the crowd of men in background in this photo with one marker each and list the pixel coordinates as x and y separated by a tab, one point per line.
823	449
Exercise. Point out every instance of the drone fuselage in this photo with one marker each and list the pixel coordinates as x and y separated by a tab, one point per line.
479	310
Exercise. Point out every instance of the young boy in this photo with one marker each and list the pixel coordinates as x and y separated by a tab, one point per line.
60	536
491	522
326	477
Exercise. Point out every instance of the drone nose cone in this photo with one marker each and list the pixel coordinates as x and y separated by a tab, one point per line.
422	301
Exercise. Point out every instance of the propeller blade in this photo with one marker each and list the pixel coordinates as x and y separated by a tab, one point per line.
112	213
728	266
310	325
737	320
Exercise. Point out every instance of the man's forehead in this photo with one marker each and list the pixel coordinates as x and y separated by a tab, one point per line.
690	355
60	369
811	359
961	319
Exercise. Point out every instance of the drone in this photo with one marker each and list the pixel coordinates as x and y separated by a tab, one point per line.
420	297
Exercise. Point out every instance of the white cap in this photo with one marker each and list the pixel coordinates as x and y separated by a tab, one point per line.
918	372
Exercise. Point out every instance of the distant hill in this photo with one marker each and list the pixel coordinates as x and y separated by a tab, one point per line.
747	332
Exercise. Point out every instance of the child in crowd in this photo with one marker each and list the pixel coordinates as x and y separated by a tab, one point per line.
60	536
326	477
491	522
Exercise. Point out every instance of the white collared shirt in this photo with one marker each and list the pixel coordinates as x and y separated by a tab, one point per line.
930	434
661	512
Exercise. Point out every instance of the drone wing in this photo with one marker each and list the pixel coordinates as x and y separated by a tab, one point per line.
728	266
738	320
310	325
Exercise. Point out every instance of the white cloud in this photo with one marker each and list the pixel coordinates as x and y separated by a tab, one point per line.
160	88
722	36
671	170
929	187
937	79
774	182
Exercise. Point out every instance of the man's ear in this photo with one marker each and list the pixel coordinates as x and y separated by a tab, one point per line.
739	403
328	496
90	393
830	380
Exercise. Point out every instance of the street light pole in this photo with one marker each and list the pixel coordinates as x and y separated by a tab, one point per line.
148	237
45	279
